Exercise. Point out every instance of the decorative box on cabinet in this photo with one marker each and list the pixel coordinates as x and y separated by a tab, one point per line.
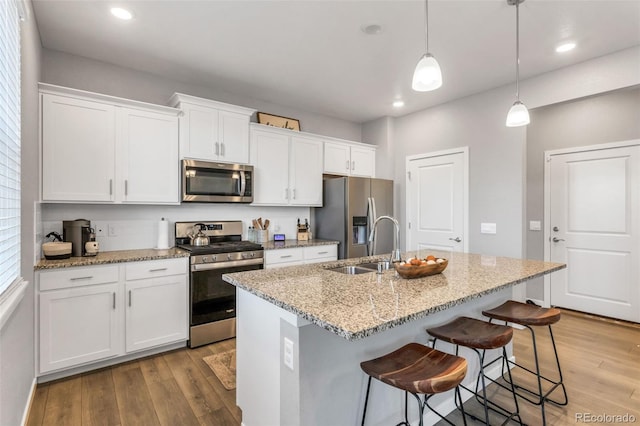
287	167
102	149
211	130
92	314
349	159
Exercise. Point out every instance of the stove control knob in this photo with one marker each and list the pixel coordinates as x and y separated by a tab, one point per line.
253	254
204	259
213	258
229	257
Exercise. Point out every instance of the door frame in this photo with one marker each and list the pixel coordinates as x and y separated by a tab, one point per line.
464	150
546	302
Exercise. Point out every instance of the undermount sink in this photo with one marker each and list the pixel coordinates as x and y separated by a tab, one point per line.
351	270
374	265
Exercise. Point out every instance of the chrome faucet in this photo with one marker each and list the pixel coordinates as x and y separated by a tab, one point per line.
395	254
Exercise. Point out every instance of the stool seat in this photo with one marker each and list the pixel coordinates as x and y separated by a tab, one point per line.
524	313
473	333
417	368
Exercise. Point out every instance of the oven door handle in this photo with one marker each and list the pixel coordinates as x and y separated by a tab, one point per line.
243	183
224	265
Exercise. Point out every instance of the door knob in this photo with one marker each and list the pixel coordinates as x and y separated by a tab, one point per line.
456	239
555	229
555	239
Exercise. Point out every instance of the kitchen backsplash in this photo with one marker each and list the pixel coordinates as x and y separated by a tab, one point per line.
124	227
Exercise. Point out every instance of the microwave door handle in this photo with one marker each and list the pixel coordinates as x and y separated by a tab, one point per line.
243	183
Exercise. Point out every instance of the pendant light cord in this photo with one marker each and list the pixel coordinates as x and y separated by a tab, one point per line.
518	50
426	25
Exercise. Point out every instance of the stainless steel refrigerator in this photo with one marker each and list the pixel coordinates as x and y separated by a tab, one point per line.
350	206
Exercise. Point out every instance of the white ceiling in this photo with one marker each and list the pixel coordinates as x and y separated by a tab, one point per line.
312	54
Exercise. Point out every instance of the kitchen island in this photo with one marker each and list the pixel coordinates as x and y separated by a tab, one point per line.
303	331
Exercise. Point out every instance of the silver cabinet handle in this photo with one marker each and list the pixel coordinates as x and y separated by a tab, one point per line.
286	193
126	187
157	269
222	149
217	148
230	311
284	257
114	300
347	164
294	193
456	239
110	186
557	240
323	252
353	165
82	278
129	298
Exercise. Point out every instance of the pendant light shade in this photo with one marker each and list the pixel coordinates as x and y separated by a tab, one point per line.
518	114
427	75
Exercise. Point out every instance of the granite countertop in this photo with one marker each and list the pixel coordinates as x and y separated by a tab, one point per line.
116	256
275	245
356	306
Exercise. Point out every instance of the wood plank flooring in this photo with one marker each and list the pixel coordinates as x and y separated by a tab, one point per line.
600	360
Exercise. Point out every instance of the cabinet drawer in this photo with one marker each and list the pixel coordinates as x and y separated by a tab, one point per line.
283	256
78	277
155	268
321	252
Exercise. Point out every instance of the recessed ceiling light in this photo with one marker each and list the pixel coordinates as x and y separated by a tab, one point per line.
371	29
565	47
121	13
398	104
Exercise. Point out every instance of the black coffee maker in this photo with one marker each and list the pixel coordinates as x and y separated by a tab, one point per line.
78	232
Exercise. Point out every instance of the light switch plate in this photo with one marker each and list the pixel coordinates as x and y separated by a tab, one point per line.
288	353
487	228
535	225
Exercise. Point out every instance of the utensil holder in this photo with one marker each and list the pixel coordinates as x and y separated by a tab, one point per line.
262	236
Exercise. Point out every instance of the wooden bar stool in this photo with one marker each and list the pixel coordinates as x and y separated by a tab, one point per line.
530	315
479	336
416	369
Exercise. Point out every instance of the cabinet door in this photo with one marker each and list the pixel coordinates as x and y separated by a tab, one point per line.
149	161
270	159
337	160
79	325
78	149
305	174
233	137
280	258
199	133
156	312
363	161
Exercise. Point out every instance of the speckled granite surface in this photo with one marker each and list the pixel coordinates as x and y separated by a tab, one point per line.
356	306
274	245
116	256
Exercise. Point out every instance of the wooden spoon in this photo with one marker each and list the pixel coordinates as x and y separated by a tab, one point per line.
266	224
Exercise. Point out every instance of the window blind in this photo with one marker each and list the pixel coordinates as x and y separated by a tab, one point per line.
9	144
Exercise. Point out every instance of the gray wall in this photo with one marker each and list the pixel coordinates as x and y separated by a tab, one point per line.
380	133
610	117
17	338
82	73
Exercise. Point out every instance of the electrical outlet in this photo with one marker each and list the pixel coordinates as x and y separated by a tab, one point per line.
288	353
100	228
113	230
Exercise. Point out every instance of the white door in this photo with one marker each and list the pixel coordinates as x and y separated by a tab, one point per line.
305	174
149	157
593	227
437	201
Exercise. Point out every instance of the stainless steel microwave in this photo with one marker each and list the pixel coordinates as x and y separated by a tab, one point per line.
211	182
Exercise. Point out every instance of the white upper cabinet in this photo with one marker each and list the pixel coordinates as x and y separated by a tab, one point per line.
102	149
287	167
349	159
213	131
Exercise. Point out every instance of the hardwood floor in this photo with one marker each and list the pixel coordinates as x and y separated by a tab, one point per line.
600	360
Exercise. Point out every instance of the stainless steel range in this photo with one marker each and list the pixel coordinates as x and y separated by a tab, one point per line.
212	300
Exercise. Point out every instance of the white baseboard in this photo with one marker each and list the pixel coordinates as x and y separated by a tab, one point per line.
27	408
447	406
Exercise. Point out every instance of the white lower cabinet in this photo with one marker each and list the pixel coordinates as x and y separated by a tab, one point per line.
89	314
280	258
79	325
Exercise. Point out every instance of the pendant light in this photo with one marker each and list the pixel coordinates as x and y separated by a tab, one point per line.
518	114
427	75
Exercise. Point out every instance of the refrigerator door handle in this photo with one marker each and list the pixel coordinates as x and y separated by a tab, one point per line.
371	217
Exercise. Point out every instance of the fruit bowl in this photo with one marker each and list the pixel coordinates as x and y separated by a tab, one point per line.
409	271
